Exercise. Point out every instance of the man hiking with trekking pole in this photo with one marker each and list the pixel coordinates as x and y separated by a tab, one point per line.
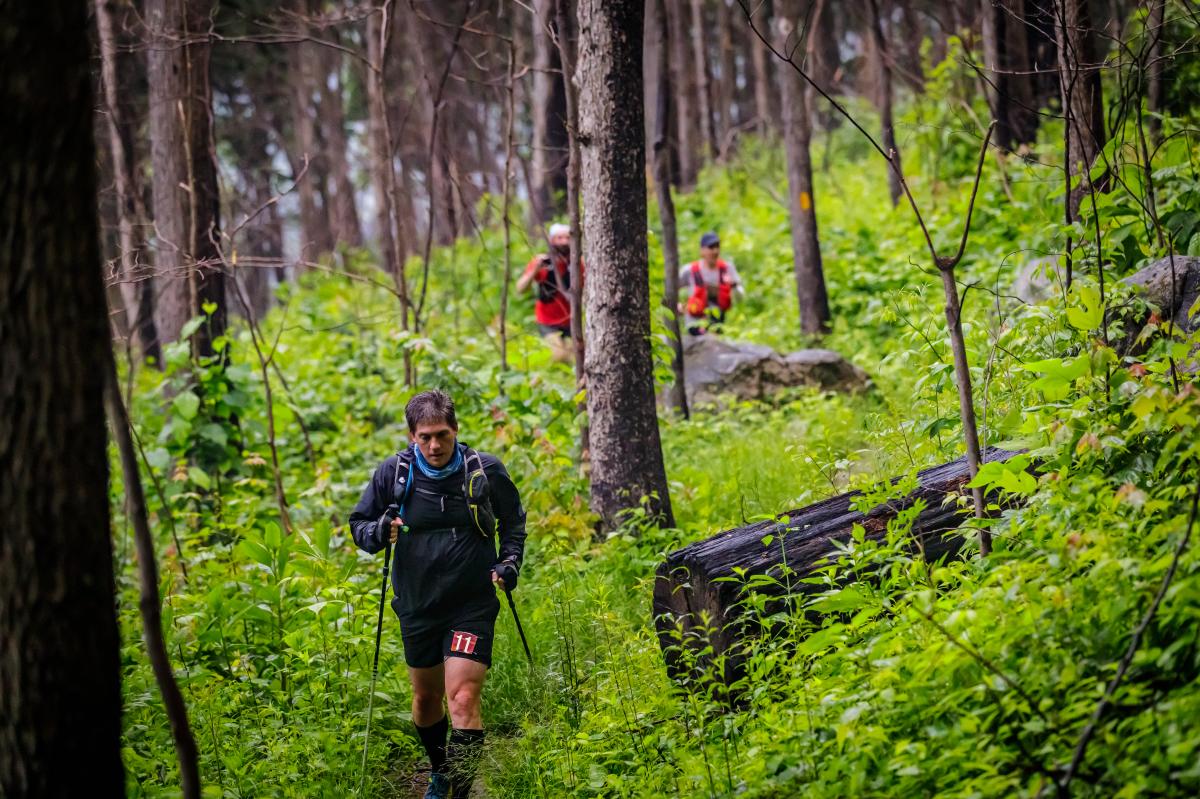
444	505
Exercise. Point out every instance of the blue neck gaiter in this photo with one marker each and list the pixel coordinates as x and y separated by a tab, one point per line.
455	464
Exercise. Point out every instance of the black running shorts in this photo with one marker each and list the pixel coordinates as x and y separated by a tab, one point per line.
467	633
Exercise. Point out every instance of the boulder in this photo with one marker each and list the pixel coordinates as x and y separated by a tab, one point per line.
715	367
1039	280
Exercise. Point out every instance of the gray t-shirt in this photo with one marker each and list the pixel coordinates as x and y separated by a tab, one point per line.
711	276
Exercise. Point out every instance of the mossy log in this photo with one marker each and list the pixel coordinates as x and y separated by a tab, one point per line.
711	575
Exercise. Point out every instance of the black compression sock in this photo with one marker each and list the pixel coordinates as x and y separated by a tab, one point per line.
433	738
462	757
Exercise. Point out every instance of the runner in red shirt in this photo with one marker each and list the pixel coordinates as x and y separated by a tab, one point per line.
552	309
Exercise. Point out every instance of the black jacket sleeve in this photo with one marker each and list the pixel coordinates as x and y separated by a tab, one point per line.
364	519
506	504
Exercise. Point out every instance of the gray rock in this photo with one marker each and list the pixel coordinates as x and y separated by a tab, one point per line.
1155	284
1171	298
1039	280
715	367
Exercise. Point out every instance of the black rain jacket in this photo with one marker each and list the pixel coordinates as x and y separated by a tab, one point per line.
443	562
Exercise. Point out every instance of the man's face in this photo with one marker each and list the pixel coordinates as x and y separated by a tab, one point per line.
436	442
561	241
709	254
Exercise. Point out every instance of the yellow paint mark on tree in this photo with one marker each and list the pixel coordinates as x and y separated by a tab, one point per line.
805	201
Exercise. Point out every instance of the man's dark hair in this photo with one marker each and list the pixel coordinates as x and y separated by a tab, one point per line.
430	407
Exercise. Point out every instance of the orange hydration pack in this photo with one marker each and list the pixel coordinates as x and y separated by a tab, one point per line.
698	301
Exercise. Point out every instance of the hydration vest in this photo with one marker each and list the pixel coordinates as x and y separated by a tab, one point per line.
698	301
474	488
553	282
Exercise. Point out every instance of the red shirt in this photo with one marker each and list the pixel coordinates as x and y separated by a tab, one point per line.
553	305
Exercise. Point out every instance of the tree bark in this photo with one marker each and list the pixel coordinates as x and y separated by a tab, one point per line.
626	451
549	106
710	577
883	75
797	133
687	131
381	157
726	85
343	212
315	235
1082	102
1154	66
136	276
186	198
763	108
60	697
1009	84
568	55
700	36
677	395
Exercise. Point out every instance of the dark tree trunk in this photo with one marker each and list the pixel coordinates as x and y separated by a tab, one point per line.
710	577
135	274
883	80
1082	102
797	133
700	36
60	697
763	104
549	104
1154	66
687	129
263	234
626	452
315	235
726	84
186	199
677	394
381	158
343	212
1007	64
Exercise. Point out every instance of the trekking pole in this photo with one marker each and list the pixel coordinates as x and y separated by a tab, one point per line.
513	607
387	564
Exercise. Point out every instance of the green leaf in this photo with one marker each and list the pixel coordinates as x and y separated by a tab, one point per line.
1090	314
199	477
187	405
190	327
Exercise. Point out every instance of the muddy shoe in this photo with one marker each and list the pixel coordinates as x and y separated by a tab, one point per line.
439	786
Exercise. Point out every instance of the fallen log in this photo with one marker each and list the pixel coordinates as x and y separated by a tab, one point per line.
707	580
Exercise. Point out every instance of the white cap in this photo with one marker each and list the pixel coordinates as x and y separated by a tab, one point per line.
558	229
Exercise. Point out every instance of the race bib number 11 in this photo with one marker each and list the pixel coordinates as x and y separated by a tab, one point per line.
463	643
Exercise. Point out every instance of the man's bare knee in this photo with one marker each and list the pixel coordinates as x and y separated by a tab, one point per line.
464	702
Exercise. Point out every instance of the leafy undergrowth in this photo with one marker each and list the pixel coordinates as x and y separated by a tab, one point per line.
964	678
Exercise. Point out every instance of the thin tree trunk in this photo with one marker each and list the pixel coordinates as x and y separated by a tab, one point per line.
567	55
315	235
186	199
726	87
797	133
700	36
686	129
883	73
1154	67
379	35
60	662
343	210
381	157
1082	103
149	602
510	111
677	395
136	277
549	107
762	75
626	451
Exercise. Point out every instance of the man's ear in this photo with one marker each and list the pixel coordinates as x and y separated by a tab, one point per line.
411	438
